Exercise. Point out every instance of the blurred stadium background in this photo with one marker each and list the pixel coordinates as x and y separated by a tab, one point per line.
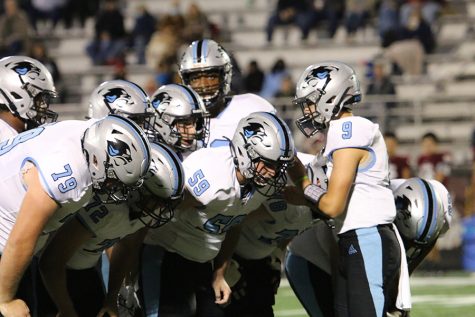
431	78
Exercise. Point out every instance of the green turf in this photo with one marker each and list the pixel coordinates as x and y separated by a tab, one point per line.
444	296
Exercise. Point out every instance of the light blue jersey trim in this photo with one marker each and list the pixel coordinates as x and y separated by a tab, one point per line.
204	49
361	169
371	248
219	143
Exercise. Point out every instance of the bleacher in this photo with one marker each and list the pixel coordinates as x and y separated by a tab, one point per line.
441	101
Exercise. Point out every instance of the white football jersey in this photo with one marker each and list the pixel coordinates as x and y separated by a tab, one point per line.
108	223
371	202
197	233
56	151
259	239
6	131
225	124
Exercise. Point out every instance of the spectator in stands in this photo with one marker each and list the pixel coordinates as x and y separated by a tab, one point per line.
407	55
164	42
291	12
196	24
38	51
80	10
430	11
470	190
46	10
145	25
287	87
433	163
334	11
416	27
357	13
380	83
108	46
254	78
273	80
388	21
14	30
398	164
165	71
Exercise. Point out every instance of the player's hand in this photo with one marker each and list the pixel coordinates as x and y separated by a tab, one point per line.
108	312
294	195
109	309
14	308
222	291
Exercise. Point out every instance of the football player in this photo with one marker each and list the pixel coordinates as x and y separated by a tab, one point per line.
69	263
43	182
225	184
309	265
26	88
206	67
358	186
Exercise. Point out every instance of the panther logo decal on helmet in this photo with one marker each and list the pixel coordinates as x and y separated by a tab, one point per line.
116	95
254	129
161	99
317	75
120	150
403	204
25	67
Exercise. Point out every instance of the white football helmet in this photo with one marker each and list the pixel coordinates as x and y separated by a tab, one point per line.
424	211
120	97
163	186
323	90
26	89
263	137
118	156
206	57
181	119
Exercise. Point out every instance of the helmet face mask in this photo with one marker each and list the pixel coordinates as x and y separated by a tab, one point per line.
27	88
206	67
269	177
181	118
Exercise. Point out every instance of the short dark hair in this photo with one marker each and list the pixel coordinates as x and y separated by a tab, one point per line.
430	135
390	134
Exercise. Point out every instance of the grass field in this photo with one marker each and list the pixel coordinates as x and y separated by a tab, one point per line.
435	296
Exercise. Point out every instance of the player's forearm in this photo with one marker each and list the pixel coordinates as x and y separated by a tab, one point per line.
227	249
298	174
14	261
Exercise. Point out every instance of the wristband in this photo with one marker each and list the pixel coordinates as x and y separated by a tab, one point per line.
313	193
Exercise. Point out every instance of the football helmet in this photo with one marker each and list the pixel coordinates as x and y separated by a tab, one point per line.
323	90
424	211
118	156
163	186
263	148
26	89
207	58
120	97
181	119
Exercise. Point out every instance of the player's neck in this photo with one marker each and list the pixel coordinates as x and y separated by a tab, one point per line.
13	121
